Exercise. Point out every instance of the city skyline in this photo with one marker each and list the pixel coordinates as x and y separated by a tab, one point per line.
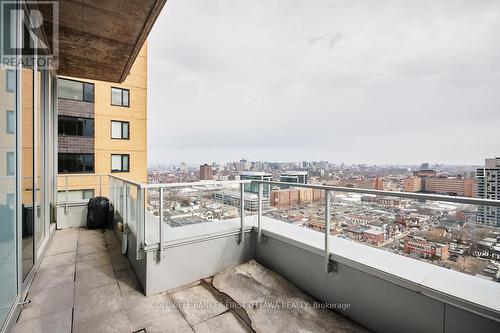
329	80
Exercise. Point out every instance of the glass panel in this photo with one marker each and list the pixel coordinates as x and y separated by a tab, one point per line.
125	130
39	213
10	122
116	130
88	127
126	97
88	92
75	126
75	163
27	141
70	89
75	195
10	79
125	163
8	257
116	162
11	163
116	96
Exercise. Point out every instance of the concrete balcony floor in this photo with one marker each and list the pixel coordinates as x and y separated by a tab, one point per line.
84	284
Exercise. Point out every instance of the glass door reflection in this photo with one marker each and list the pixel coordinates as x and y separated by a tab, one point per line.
27	169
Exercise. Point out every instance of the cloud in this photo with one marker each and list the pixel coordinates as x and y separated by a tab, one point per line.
365	81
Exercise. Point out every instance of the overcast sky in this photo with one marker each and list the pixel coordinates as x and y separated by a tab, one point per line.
345	81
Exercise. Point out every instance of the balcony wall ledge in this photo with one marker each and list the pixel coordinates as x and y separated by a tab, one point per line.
461	290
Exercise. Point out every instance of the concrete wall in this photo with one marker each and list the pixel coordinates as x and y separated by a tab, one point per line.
195	260
377	304
74	218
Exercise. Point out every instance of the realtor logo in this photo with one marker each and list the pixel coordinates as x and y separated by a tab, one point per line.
29	34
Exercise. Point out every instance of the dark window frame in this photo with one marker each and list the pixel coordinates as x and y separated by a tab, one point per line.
84	84
73	171
78	120
122	156
122	136
121	93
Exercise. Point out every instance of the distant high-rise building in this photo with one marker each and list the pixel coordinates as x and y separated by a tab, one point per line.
244	165
424	166
297	177
256	175
206	172
488	187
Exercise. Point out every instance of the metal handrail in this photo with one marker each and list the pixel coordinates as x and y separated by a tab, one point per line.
329	265
76	175
141	188
409	195
202	183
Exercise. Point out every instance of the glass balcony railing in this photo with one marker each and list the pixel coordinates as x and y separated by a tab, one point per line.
435	228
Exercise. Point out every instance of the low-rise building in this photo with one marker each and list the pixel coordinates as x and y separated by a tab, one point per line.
355	231
251	201
424	248
374	236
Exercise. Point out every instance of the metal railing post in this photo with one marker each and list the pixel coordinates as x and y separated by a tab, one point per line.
115	200
242	213
110	190
139	221
259	214
161	223
327	232
100	185
124	203
67	195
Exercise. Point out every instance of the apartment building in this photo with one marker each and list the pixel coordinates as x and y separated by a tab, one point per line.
206	172
488	187
257	175
101	130
424	248
296	177
412	184
449	185
251	200
295	196
440	185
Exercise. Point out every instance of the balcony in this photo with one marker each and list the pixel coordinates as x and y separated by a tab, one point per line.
234	271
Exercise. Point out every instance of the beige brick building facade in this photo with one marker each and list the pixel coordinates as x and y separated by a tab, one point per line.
130	115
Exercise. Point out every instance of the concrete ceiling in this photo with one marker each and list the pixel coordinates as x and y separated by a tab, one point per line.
100	39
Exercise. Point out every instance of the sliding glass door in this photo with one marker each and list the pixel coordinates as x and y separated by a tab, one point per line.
8	171
8	175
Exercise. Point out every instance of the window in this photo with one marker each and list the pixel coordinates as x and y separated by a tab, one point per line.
75	163
75	195
11	163
10	80
75	126
120	129
120	163
10	123
120	97
76	90
10	199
